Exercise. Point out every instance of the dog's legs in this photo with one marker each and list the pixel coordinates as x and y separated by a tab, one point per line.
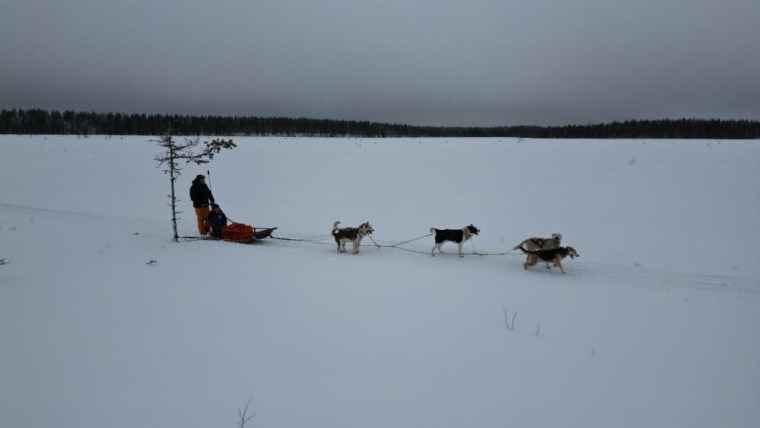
559	265
531	260
356	243
460	248
437	245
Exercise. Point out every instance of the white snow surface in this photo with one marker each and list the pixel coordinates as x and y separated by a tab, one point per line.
657	324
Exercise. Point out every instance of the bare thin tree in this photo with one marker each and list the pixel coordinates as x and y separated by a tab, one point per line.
186	151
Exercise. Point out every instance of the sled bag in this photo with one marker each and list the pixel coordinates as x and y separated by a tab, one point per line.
237	232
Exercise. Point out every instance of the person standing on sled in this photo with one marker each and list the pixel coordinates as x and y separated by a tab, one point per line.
201	197
218	220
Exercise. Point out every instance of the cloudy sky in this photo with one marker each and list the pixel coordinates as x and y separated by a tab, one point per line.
422	62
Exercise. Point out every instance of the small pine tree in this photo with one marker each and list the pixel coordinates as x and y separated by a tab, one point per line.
187	151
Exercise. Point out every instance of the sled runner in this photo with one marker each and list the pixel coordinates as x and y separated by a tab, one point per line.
243	233
263	232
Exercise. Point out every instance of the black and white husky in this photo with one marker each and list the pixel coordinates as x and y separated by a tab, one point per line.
353	234
458	236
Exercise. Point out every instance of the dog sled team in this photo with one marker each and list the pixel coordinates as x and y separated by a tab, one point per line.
536	249
213	223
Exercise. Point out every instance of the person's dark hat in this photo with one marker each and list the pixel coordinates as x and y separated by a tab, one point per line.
200	177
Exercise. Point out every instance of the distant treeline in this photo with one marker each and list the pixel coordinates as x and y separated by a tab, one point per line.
35	121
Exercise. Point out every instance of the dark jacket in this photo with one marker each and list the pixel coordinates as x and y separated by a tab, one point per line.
200	194
217	219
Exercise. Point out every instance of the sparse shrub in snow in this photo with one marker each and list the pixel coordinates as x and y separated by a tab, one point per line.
243	414
510	323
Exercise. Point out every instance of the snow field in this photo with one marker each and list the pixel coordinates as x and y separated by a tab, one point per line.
654	325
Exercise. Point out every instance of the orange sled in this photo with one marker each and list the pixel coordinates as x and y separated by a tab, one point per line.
243	233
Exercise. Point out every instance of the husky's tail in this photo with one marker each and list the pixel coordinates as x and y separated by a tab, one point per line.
432	230
335	227
519	246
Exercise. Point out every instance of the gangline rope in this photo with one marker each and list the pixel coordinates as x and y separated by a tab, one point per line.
319	240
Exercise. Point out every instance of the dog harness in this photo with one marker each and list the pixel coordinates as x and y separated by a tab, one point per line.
467	234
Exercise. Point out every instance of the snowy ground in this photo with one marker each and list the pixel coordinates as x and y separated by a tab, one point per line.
655	325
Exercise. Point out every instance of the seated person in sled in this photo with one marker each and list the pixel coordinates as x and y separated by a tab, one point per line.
224	228
218	220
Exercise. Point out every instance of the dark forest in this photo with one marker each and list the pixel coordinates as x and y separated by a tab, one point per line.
37	121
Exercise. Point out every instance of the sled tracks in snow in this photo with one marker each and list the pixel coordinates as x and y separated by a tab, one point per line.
668	280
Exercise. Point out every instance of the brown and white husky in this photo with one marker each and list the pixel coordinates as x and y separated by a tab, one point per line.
353	234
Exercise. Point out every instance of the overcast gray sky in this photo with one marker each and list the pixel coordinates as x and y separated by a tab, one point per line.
422	62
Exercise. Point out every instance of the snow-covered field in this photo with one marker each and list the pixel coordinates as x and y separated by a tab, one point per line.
657	324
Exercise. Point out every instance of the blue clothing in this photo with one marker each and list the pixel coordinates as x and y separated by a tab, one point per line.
218	220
